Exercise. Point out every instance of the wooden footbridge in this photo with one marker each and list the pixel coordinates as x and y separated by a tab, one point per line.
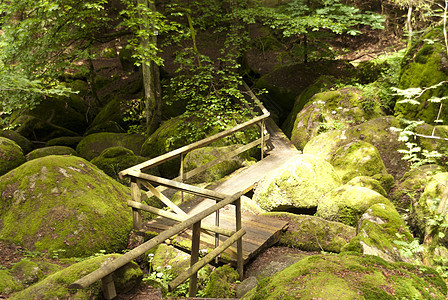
214	219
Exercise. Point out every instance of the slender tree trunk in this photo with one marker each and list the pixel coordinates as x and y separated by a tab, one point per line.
151	78
409	24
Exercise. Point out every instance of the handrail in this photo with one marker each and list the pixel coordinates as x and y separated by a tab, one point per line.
138	179
204	142
136	252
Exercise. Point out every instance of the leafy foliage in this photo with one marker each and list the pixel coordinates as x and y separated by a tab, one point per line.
303	20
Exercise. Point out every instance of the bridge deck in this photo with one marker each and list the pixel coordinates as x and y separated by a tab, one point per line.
261	231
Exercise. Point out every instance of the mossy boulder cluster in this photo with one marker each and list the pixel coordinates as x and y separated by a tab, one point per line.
11	155
350	276
55	285
64	202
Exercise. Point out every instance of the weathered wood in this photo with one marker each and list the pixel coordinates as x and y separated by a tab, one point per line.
206	259
136	196
194	257
162	197
239	260
204	142
176	217
179	185
139	250
108	287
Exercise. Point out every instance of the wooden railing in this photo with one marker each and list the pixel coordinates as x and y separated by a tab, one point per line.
140	180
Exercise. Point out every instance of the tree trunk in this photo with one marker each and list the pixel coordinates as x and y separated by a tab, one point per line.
151	78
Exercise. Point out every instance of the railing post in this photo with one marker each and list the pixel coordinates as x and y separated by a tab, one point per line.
239	243
108	285
182	175
136	195
263	126
217	234
196	238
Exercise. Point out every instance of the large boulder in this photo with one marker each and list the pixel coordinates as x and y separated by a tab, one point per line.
297	185
327	111
368	182
220	283
36	129
56	285
311	233
115	159
66	112
347	204
22	141
11	155
64	202
376	132
68	141
349	276
425	65
382	232
51	150
92	145
202	156
357	159
430	207
408	189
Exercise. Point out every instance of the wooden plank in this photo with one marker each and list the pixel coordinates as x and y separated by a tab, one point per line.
162	198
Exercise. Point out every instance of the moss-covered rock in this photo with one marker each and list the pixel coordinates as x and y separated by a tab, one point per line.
56	285
64	202
112	111
408	189
357	159
425	209
8	284
327	111
439	145
347	204
168	258
68	141
199	157
368	182
376	132
424	65
168	137
107	126
20	140
51	150
66	112
349	276
322	84
219	285
115	159
379	227
36	129
92	145
311	233
299	184
11	155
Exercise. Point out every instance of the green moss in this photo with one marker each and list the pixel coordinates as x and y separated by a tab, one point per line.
68	141
348	276
92	145
52	150
64	202
347	203
11	155
300	184
22	141
311	233
357	159
219	285
8	284
55	285
115	159
368	182
424	65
